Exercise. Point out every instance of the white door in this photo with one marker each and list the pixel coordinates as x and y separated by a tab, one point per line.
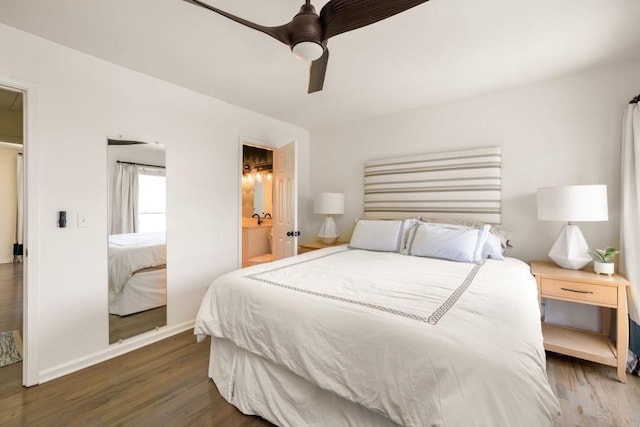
285	206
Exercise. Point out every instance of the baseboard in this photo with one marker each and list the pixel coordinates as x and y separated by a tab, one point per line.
114	350
6	261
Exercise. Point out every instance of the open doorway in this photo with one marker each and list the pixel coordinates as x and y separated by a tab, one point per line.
257	204
269	225
11	235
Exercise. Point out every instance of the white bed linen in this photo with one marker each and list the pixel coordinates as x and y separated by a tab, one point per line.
381	330
257	386
138	239
131	252
143	291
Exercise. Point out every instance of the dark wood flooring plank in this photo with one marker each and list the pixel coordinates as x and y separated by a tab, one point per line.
11	297
122	327
590	394
165	383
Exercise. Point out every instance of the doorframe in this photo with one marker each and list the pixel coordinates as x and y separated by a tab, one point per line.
245	140
30	254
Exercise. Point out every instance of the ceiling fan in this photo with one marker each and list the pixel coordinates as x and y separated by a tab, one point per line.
308	33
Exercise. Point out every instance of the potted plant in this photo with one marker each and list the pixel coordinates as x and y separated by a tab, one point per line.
603	260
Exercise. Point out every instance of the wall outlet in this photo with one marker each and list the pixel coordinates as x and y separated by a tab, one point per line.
82	221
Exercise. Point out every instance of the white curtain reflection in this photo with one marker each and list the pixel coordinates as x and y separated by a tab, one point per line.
124	218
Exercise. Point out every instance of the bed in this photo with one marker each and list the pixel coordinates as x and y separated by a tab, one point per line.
137	272
412	323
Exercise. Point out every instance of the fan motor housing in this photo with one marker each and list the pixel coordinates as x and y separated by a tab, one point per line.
305	27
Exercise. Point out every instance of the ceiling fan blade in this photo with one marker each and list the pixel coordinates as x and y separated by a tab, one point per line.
280	33
317	71
340	16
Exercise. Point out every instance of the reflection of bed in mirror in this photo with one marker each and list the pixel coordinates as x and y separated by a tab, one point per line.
137	294
137	272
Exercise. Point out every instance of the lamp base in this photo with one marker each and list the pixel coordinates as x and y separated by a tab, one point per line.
328	232
570	250
328	240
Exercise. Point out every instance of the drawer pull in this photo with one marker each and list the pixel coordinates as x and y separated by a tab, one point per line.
579	292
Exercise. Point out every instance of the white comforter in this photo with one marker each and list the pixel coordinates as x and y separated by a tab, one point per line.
419	340
131	252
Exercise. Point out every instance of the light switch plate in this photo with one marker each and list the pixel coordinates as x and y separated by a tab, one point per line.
82	221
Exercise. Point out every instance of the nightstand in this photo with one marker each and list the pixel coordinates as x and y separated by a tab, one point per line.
586	287
312	246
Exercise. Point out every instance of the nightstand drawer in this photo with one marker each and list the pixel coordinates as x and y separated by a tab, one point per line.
586	292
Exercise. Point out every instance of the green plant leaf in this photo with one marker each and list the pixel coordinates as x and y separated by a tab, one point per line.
604	255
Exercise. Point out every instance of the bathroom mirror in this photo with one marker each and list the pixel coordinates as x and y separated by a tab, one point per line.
137	249
258	199
257	181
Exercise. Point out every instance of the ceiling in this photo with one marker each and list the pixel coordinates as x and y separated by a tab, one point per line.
439	51
10	118
10	100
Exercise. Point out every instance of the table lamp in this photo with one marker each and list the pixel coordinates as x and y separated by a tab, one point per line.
572	203
328	204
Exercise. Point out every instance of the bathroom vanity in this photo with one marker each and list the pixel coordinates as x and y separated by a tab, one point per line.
255	239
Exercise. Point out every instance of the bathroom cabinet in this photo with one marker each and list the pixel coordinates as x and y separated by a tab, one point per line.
255	242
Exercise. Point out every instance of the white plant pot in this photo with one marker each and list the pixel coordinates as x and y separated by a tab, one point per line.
604	267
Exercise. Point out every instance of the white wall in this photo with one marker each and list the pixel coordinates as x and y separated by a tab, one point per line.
80	102
8	201
565	131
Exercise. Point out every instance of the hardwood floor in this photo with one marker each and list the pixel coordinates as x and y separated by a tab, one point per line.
121	327
166	384
590	394
11	297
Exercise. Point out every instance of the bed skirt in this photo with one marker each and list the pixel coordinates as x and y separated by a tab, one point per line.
145	290
257	386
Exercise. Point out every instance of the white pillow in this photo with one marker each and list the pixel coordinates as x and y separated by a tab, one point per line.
492	248
378	235
504	235
454	243
408	226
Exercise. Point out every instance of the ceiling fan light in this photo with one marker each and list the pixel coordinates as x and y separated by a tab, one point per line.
308	51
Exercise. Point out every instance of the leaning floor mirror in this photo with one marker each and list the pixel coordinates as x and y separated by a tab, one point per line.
137	252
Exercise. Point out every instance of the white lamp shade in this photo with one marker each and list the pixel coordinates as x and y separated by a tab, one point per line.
573	203
329	204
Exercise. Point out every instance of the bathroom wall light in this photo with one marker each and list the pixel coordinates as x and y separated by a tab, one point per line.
258	173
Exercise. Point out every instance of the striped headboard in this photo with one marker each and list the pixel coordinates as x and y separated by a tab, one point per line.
455	184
